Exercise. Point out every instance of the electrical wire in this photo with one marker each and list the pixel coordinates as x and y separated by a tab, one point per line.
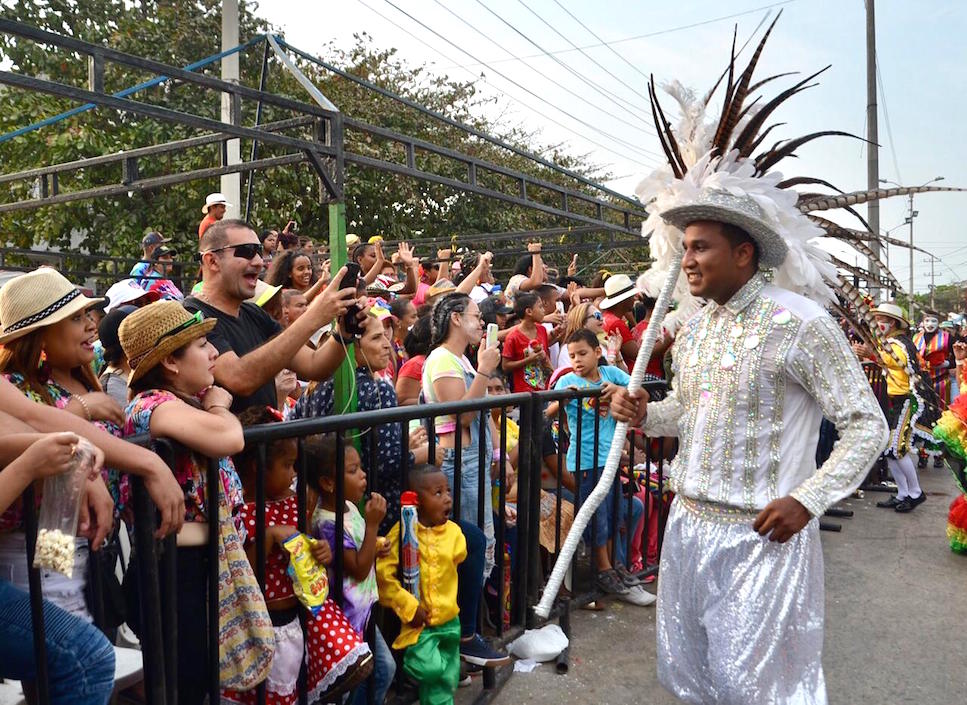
583	53
543	75
602	43
588	82
593	128
886	119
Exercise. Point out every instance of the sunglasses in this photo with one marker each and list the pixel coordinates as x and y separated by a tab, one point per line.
246	250
194	320
597	315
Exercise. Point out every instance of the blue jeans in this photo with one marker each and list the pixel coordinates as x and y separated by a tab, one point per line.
80	659
469	493
469	586
384	668
603	516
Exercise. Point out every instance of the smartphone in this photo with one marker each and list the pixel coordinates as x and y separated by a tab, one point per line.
560	307
351	279
351	322
491	335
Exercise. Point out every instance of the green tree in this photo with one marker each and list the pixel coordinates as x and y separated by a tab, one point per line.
179	33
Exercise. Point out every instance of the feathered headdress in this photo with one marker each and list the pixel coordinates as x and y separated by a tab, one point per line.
723	155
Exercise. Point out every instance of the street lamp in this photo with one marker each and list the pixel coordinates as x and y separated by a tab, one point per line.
910	216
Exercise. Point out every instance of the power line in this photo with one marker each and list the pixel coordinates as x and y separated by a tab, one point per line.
602	43
886	118
594	128
548	78
583	53
591	84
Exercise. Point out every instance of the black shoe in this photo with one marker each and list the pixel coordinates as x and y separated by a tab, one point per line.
610	583
938	462
922	462
911	503
888	503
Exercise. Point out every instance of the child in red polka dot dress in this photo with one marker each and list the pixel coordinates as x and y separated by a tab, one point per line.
338	657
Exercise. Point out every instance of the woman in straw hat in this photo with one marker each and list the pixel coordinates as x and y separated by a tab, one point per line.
48	347
173	397
911	405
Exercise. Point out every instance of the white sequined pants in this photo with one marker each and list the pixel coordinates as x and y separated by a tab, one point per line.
740	619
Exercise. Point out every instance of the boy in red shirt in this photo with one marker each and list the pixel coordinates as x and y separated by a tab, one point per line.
526	353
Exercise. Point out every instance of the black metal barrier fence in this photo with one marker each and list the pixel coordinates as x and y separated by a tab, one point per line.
540	445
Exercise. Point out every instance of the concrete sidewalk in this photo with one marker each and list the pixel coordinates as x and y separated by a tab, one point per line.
896	620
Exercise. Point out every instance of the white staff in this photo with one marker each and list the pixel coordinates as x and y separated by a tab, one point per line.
600	491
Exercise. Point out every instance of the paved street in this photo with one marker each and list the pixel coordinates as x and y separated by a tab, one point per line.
896	606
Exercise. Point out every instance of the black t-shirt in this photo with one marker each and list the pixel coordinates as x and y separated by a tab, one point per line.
252	328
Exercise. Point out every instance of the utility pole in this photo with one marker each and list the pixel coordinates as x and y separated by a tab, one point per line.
872	146
932	260
910	217
231	111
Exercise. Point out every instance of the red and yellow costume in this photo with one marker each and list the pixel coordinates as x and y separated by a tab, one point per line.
936	358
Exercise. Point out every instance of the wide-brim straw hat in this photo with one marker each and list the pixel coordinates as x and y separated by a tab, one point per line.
39	299
153	332
617	288
740	211
892	311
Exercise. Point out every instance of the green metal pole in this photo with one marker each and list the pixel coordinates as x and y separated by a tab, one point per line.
344	381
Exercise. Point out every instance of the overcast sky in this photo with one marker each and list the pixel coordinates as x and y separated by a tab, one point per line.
922	58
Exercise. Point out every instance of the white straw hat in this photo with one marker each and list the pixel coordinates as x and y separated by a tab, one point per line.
213	199
617	288
38	299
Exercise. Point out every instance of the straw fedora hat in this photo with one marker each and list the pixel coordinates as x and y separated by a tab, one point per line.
38	299
892	311
740	211
155	331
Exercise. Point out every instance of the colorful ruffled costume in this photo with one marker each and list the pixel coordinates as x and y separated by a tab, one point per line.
951	430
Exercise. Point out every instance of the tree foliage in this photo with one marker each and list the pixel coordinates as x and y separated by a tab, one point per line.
178	33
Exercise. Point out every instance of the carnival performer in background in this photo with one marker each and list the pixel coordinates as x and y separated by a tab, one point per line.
951	431
935	349
910	403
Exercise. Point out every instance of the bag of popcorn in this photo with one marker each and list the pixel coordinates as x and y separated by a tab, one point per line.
57	523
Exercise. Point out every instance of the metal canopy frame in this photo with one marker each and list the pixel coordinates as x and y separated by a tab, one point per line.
325	151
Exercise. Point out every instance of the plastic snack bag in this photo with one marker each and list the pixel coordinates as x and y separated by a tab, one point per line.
57	523
309	580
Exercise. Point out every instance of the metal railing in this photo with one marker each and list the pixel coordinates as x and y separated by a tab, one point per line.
156	563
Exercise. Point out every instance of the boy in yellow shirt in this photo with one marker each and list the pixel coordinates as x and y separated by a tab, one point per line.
431	626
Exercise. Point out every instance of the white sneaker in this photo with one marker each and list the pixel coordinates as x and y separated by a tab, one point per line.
638	596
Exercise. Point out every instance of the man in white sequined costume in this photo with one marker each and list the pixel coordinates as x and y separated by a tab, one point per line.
741	597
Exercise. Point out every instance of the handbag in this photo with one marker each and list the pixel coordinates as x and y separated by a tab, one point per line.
246	639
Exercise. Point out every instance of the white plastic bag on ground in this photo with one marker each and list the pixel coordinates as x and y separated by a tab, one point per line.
542	644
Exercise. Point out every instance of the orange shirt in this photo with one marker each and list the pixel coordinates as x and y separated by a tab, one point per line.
205	223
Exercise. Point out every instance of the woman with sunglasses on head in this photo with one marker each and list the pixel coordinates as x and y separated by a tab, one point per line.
47	355
174	397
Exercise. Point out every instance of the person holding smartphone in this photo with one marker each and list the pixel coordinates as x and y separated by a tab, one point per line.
253	348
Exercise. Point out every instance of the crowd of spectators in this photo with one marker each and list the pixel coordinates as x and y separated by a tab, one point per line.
258	340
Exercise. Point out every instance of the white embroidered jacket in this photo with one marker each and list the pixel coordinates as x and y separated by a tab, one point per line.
752	381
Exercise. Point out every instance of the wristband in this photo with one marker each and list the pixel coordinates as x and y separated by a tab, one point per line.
492	375
87	409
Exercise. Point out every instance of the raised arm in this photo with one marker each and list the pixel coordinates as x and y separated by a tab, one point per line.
242	376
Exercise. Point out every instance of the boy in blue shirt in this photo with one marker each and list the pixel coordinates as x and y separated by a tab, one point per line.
584	352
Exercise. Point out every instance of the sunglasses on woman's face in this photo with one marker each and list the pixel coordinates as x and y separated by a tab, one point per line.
597	315
246	250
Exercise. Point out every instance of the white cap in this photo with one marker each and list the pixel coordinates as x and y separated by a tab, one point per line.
125	292
213	199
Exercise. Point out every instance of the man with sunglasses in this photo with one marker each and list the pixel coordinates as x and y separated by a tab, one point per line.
253	348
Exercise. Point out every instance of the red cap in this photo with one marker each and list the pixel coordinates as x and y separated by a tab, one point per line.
409	498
